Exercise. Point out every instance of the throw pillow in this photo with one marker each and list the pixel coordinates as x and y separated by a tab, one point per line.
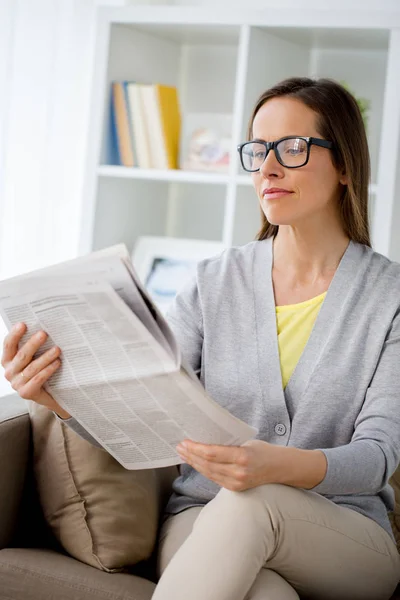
101	513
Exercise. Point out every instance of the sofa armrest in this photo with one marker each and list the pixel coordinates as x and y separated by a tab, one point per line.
14	450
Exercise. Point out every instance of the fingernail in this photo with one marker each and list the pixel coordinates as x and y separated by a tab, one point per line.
19	326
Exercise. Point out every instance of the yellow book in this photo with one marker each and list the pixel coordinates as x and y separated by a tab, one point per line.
170	122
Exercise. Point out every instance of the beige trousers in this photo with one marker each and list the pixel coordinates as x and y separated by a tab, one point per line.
274	542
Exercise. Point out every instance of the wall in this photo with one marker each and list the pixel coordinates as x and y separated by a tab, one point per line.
45	72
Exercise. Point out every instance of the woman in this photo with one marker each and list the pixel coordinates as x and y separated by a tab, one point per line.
298	334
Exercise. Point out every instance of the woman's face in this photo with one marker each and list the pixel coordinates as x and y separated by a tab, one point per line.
309	191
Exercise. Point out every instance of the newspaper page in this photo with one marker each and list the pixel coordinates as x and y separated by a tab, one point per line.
109	265
125	388
160	321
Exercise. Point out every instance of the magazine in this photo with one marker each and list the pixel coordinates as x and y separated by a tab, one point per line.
122	376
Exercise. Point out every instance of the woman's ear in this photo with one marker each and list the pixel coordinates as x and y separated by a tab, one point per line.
344	180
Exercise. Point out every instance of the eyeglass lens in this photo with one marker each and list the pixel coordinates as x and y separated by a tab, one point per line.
291	152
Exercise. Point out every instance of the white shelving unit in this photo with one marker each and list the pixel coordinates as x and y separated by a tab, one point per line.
220	62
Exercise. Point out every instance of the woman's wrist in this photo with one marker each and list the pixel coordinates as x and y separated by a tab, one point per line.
301	468
60	412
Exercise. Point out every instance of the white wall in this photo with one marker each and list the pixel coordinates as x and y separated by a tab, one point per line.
45	73
395	230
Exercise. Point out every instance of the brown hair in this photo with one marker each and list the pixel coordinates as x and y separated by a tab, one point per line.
340	121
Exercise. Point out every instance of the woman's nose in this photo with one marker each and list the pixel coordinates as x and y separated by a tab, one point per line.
271	167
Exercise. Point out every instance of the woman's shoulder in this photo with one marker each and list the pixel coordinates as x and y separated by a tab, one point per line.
382	266
377	280
232	259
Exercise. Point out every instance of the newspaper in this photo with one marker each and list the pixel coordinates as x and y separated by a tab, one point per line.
122	376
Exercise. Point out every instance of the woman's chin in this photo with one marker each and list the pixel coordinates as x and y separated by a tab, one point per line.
277	217
276	213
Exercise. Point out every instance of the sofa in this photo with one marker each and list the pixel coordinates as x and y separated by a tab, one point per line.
32	565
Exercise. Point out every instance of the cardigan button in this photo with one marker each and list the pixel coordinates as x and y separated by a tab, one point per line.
280	429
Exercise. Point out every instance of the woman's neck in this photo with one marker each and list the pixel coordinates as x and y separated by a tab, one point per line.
307	256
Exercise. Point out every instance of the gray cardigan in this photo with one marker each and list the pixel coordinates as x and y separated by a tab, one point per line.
344	394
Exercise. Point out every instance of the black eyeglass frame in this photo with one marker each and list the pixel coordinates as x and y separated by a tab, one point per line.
311	141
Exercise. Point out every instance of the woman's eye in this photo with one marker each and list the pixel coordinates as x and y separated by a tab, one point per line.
294	151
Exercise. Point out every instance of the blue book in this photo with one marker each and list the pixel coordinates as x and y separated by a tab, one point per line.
112	152
130	120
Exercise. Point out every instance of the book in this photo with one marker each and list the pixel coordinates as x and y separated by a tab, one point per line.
131	122
122	127
168	105
163	122
147	125
154	127
122	376
138	125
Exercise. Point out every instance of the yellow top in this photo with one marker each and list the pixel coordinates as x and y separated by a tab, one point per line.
294	325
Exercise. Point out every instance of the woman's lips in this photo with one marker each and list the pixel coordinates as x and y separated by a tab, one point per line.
271	195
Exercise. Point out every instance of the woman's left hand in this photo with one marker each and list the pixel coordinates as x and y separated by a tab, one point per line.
236	468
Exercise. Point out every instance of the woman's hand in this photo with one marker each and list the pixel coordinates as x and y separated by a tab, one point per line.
27	375
236	468
255	463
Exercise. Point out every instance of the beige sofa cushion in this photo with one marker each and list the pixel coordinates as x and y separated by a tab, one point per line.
102	514
395	516
32	574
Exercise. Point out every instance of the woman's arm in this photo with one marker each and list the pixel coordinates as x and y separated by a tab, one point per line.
366	464
185	318
79	430
299	468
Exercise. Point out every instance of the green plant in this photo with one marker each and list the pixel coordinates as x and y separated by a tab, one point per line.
363	104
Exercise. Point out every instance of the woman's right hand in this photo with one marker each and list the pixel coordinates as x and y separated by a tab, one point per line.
27	375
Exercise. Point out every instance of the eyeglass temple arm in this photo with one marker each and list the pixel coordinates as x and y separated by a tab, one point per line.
319	142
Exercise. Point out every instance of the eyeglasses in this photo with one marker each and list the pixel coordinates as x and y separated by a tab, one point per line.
291	152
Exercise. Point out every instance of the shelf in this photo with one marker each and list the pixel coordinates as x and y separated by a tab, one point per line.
192	34
173	175
220	62
176	175
333	38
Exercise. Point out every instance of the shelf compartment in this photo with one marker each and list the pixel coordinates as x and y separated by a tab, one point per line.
172	175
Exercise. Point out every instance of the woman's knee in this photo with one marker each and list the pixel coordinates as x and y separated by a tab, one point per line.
270	494
265	505
234	502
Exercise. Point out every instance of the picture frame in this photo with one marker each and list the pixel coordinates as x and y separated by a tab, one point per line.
165	264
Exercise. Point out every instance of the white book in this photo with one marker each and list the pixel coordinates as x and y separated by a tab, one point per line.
139	126
154	126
